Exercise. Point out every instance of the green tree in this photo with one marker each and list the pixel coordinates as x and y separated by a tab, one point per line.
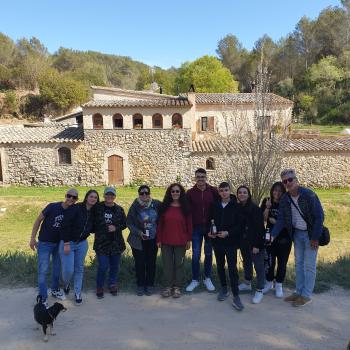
10	104
207	74
61	92
7	50
326	73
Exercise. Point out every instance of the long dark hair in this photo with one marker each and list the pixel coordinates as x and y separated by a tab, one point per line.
168	199
249	200
88	194
274	186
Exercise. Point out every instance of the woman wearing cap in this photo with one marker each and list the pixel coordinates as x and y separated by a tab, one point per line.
109	243
142	223
174	235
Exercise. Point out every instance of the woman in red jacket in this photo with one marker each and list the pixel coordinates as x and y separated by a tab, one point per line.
174	234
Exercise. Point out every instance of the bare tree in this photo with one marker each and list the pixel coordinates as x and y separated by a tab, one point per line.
253	147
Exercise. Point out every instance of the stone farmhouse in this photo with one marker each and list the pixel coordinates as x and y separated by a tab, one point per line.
124	137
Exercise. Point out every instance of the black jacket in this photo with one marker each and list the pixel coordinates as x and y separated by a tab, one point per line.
107	243
77	223
251	225
226	219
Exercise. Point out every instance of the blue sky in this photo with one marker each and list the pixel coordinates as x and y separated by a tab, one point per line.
163	33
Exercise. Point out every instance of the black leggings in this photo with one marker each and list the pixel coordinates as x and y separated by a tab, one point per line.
230	253
145	263
277	251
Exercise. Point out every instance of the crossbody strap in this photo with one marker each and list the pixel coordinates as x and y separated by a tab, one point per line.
299	211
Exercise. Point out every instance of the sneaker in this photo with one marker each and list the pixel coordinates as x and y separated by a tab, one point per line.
148	290
99	293
58	294
66	289
176	292
258	296
192	286
237	304
166	292
113	290
78	299
279	290
46	304
291	298
268	286
139	291
302	301
209	285
39	299
245	287
223	294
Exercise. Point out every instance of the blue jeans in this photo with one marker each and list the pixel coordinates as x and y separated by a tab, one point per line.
305	264
198	234
73	263
105	262
46	250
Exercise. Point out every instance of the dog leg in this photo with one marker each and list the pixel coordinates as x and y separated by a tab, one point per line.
46	338
51	329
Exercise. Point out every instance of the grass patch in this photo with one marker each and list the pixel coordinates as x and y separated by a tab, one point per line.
325	130
18	264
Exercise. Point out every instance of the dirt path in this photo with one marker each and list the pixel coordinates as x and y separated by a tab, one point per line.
193	322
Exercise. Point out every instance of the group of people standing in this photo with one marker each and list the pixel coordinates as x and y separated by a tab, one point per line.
225	222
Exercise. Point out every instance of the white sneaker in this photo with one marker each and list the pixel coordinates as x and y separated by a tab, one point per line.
279	290
245	287
58	294
268	286
257	297
192	286
209	285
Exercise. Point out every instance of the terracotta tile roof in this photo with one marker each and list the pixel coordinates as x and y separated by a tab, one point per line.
43	134
238	98
297	145
154	102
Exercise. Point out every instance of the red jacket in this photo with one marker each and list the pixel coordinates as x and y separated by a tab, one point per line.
200	202
174	228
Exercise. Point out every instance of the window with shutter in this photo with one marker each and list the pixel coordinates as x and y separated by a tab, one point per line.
97	121
64	156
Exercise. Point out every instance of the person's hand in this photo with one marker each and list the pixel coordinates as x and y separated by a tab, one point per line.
211	236
33	244
144	237
112	228
314	244
159	245
255	250
222	234
66	248
188	245
272	221
268	203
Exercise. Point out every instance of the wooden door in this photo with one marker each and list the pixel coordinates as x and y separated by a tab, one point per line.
115	170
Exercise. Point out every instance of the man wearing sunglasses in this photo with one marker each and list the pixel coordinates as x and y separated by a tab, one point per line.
301	212
49	221
201	196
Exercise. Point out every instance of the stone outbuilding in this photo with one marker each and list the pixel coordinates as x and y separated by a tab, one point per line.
124	137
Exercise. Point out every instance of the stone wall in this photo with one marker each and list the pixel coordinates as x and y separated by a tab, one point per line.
37	165
314	169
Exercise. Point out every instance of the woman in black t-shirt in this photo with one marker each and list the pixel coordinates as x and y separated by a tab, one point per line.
280	248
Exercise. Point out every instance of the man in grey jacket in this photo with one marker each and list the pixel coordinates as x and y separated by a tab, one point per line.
300	211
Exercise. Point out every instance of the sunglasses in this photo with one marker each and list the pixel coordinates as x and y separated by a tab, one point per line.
290	179
144	193
175	191
69	196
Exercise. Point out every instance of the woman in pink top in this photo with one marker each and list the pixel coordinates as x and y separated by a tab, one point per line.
174	235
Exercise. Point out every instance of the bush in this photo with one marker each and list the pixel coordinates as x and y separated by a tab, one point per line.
337	115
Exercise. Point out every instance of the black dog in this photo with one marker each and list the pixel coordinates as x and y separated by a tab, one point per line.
45	317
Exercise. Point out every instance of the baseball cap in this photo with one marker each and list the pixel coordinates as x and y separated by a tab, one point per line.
110	190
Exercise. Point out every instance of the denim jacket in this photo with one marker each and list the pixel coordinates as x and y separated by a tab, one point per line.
311	209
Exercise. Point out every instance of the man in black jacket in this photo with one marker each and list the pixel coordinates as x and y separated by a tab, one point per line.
224	235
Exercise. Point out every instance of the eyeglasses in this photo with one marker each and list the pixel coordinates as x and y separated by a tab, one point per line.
290	179
144	193
175	191
69	196
200	176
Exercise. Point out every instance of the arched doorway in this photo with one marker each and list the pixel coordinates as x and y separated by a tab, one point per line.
115	170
